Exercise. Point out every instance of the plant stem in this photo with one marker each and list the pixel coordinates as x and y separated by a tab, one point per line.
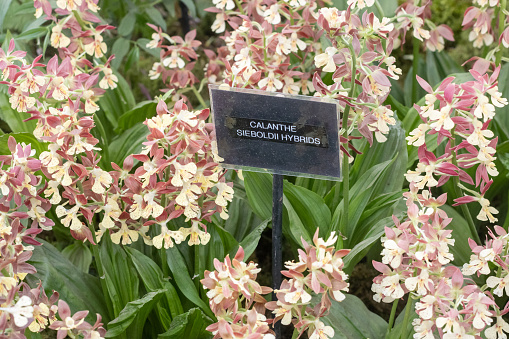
100	272
392	317
415	66
380	9
459	193
199	97
501	26
408	308
239	5
346	164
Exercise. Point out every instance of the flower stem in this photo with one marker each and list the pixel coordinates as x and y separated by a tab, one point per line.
239	5
346	164
415	66
199	97
392	317
100	271
408	308
380	9
501	26
459	193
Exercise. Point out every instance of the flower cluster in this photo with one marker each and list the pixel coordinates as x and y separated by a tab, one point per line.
360	53
236	299
178	175
415	260
482	19
177	63
459	110
75	36
319	271
21	200
411	16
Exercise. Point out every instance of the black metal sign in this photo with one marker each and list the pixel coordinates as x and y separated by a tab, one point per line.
283	134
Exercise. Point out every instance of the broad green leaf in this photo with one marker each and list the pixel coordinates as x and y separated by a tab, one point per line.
80	290
120	277
351	319
127	24
129	142
120	49
13	118
157	18
460	233
250	242
27	138
191	324
502	116
133	58
362	247
139	113
134	315
3	12
259	192
152	278
79	254
31	33
295	227
183	279
360	195
310	208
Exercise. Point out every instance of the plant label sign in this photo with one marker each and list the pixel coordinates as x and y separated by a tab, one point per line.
283	134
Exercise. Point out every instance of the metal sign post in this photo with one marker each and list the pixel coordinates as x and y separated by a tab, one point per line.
280	134
277	237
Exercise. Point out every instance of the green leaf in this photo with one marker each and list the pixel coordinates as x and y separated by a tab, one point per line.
121	279
250	242
304	201
360	195
460	233
183	279
502	116
80	290
259	193
155	15
79	254
3	11
152	278
351	319
119	49
27	138
135	313
129	142
362	247
139	113
191	324
127	24
13	118
133	58
32	33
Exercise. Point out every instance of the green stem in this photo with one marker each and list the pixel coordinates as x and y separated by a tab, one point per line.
415	66
346	164
199	97
392	317
459	193
501	26
408	309
239	5
380	9
100	271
